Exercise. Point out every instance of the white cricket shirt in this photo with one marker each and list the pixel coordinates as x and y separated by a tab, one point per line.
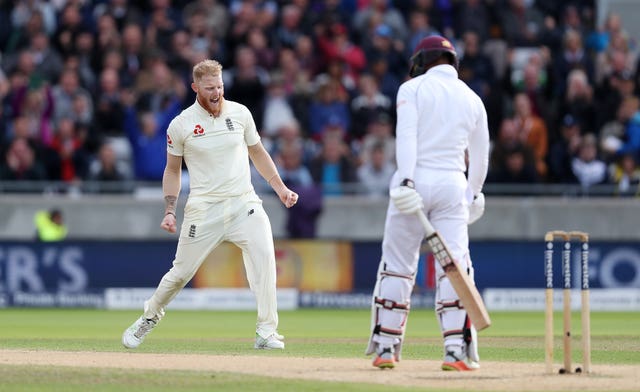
214	149
439	117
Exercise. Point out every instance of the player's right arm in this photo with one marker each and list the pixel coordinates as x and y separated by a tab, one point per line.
170	189
172	176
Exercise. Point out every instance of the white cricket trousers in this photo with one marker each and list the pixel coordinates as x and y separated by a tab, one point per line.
446	205
241	221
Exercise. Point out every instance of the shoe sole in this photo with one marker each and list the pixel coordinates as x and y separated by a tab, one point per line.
384	364
459	366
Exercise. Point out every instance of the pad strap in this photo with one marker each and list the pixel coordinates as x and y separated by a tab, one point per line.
392	305
443	306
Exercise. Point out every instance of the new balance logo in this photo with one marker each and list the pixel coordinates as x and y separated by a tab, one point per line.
192	231
250	212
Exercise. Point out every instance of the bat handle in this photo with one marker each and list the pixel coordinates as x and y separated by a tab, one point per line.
425	222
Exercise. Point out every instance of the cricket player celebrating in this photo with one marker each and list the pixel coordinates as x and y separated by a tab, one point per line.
214	137
439	119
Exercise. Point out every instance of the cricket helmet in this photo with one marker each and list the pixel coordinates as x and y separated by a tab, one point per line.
429	50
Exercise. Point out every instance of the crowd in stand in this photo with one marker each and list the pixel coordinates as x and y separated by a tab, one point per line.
88	87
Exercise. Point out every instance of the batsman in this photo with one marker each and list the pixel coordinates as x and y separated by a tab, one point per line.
442	152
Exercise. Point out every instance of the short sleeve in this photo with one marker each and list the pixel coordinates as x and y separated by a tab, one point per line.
175	141
251	136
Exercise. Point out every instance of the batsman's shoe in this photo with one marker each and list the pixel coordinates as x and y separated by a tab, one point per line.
457	360
135	334
269	343
385	359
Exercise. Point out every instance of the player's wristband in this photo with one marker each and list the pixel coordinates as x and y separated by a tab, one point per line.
170	213
409	183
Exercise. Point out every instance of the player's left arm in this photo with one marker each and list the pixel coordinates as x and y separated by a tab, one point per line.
267	169
479	151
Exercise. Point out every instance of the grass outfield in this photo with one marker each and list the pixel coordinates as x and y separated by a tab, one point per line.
516	337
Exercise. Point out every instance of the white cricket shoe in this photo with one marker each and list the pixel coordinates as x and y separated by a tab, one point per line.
269	343
135	334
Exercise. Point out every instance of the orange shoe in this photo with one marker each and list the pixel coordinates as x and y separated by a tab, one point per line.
456	360
385	359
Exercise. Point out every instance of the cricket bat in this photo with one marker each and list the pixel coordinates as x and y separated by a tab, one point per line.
462	284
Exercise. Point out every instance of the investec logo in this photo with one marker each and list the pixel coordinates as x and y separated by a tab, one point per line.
198	131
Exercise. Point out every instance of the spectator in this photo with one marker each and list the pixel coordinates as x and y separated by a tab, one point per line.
626	176
573	56
618	56
474	15
383	45
532	131
579	101
132	50
266	55
69	145
277	110
335	45
563	150
375	174
297	82
50	226
20	163
246	82
181	55
161	22
35	103
290	28
48	62
419	27
329	107
511	161
216	15
70	24
202	39
302	217
475	68
380	129
109	113
66	91
107	174
387	81
599	40
367	105
522	24
85	59
333	169
517	168
22	33
629	115
586	166
146	131
305	52
47	157
122	12
379	12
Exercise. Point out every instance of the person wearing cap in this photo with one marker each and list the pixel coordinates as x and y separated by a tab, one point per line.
439	120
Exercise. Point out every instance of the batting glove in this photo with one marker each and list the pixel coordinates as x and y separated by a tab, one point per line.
406	199
476	208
